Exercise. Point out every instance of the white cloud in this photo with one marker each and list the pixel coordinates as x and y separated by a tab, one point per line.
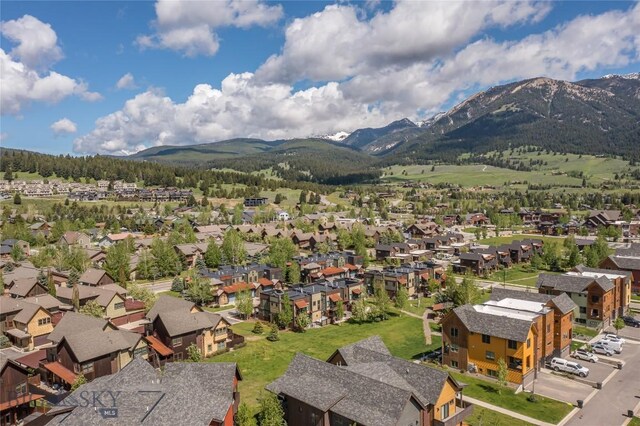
24	72
336	43
4	136
126	82
64	126
190	26
375	87
37	43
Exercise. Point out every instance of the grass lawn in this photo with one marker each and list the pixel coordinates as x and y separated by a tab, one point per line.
170	293
219	308
516	274
412	305
545	409
576	345
635	421
635	297
483	416
585	331
496	241
261	361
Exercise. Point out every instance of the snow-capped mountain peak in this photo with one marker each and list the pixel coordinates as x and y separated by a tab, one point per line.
336	137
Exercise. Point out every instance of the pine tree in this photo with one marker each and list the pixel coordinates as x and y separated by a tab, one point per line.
273	335
271	411
16	199
258	328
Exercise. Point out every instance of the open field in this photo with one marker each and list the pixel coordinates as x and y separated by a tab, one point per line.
555	172
262	361
545	409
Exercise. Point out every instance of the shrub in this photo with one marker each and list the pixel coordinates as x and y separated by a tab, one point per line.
273	335
258	328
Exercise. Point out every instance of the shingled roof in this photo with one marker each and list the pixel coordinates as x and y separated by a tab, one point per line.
626	262
169	303
92	344
562	301
73	322
328	387
572	283
491	324
178	322
184	393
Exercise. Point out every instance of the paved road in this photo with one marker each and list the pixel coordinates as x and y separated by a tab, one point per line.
609	406
159	286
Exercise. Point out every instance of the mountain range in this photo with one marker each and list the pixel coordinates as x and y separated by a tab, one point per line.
597	116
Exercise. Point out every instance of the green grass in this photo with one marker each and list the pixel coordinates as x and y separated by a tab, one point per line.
517	274
576	345
635	297
496	241
596	170
545	409
170	293
412	305
485	417
219	308
589	332
261	361
634	421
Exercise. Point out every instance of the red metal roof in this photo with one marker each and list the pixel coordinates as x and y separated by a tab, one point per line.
335	297
158	346
237	287
61	371
301	304
20	400
332	270
356	291
133	305
33	359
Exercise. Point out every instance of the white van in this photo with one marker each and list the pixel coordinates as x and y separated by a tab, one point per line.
614	346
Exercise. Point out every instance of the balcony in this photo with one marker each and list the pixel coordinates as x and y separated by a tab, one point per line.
463	410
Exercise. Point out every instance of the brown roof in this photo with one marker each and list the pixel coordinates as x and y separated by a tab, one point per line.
301	304
33	359
92	275
158	346
356	291
237	287
335	297
265	282
332	270
61	371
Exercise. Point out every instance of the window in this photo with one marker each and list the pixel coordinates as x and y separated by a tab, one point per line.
21	389
176	342
490	355
595	313
595	299
444	411
209	347
528	343
221	346
583	309
454	364
119	305
44	321
454	348
87	367
454	332
492	373
140	352
486	338
528	362
512	344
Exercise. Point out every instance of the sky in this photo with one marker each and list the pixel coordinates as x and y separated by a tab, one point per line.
92	77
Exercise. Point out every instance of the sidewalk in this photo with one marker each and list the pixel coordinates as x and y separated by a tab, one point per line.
506	412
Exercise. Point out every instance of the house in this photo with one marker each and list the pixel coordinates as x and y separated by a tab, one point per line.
199	394
603	218
96	277
175	324
89	346
364	384
422	230
626	260
476	219
477	263
255	201
563	313
227	295
283	215
595	297
476	337
17	397
25	287
111	239
111	298
190	253
75	238
621	281
26	324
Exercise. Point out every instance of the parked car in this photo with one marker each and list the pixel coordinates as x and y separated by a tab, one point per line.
585	355
631	321
611	345
601	349
559	364
613	338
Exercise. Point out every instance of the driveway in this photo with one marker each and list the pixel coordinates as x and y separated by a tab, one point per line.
561	388
629	333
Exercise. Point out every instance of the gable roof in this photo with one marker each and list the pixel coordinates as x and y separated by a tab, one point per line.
501	326
328	387
179	322
22	286
167	304
93	276
562	302
572	283
185	393
73	323
24	310
91	344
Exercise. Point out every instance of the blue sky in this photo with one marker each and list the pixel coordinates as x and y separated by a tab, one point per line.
290	69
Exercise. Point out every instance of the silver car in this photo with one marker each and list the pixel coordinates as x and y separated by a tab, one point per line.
601	349
584	355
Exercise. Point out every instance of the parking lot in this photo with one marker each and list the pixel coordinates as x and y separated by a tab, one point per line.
561	388
598	371
627	332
